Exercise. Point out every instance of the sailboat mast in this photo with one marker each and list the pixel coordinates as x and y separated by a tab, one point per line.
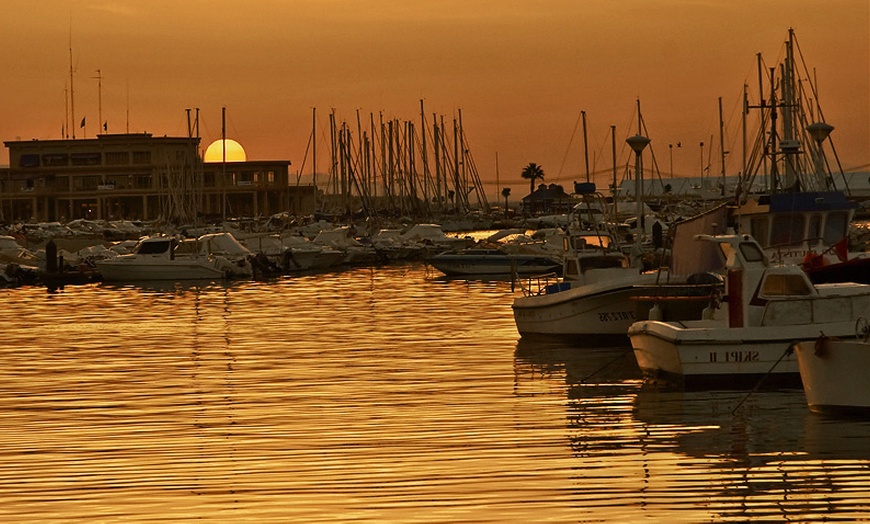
314	153
99	79
224	162
585	146
613	155
72	103
722	145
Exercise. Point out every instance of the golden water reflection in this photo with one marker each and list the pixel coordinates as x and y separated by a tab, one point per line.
372	396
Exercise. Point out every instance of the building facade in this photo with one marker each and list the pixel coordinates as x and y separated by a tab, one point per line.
140	177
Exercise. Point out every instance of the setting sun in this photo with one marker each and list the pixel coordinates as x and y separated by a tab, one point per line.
235	152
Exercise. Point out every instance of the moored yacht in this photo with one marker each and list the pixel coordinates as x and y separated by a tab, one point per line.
154	258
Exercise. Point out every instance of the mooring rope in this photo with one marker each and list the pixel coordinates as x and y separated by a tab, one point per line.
788	351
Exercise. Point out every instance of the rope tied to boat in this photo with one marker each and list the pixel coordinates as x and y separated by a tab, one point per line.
788	351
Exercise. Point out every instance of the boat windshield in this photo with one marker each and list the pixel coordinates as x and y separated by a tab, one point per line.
591	241
785	285
751	252
153	247
836	226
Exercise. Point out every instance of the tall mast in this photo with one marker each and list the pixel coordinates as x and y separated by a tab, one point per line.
613	155
585	145
224	162
425	156
314	153
72	103
99	79
722	145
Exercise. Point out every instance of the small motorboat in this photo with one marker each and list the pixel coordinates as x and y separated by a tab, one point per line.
155	258
479	261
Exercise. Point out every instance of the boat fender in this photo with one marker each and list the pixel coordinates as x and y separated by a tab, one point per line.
715	302
655	312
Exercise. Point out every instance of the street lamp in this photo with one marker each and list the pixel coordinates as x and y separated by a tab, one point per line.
820	131
638	143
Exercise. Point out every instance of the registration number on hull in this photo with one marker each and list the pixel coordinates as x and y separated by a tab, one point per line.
615	316
734	356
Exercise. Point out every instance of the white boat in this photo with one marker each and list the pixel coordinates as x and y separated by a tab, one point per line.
834	374
768	307
343	239
432	239
593	298
227	252
155	258
487	261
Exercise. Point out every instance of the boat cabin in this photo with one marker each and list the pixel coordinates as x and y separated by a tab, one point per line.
156	246
791	226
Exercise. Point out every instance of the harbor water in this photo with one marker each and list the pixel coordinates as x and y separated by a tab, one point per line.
379	395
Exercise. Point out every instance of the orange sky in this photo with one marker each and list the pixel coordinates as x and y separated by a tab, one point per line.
520	71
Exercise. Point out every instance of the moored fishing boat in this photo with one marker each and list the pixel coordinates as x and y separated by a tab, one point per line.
592	299
768	307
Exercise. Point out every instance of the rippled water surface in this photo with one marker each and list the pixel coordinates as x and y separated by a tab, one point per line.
375	395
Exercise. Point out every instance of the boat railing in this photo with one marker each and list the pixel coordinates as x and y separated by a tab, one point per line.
534	285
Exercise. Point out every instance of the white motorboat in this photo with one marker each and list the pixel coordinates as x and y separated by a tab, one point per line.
768	307
593	298
834	374
344	239
432	239
228	253
154	258
488	261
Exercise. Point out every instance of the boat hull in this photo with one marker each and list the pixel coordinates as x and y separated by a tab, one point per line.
602	310
178	269
708	353
834	375
505	264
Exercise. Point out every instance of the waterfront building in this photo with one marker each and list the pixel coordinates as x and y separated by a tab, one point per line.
138	176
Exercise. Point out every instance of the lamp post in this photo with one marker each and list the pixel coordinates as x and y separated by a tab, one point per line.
820	131
638	143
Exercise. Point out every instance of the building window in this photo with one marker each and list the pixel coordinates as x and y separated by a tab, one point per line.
270	177
55	159
142	182
87	183
28	160
117	158
141	157
85	159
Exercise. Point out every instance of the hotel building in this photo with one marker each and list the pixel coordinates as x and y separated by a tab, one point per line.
140	177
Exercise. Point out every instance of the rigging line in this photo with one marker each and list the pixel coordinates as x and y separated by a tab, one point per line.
788	351
570	141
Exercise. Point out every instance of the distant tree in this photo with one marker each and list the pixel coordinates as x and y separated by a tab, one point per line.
532	173
506	192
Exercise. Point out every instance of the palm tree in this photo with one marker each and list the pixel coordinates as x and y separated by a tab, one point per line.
532	172
506	192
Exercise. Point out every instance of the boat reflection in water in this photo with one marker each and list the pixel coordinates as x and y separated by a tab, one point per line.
377	395
718	455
